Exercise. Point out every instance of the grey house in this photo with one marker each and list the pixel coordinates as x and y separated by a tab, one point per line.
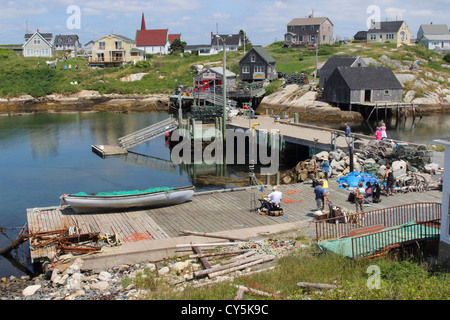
338	61
38	45
257	65
67	42
349	85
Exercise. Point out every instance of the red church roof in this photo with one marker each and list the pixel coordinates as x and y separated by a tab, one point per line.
153	37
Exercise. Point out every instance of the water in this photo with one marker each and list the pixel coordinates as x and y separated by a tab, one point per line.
43	156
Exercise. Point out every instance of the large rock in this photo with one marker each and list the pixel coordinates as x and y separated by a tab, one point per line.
30	290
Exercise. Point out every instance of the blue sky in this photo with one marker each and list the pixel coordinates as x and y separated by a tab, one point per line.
263	20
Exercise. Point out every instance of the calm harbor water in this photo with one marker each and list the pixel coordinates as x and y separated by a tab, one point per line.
43	156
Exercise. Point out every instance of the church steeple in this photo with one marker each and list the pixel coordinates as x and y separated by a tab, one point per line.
143	22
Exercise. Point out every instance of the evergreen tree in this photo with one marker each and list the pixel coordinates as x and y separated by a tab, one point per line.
177	45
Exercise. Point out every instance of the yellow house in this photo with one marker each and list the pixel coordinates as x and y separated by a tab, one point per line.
392	31
115	50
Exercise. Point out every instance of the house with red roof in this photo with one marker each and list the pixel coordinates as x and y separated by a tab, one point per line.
154	40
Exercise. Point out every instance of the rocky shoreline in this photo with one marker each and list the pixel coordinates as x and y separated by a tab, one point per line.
84	101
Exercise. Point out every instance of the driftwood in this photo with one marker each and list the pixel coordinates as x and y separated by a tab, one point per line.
12	246
217	244
244	289
213	254
316	285
203	260
204	234
240	267
231	267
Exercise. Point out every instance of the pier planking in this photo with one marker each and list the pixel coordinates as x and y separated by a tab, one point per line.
207	212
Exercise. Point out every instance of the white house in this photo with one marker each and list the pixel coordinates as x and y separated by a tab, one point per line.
444	245
38	45
434	36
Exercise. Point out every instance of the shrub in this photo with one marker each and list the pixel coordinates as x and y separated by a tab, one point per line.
447	58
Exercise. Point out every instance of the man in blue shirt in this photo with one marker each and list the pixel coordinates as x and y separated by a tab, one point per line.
325	166
320	194
347	133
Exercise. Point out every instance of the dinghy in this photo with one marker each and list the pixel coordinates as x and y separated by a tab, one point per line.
104	201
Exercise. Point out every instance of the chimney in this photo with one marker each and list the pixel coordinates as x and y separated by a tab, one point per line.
143	22
211	35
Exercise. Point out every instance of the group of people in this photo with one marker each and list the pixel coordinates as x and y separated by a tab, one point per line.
380	133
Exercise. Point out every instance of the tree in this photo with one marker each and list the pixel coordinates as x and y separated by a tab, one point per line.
447	58
177	45
244	38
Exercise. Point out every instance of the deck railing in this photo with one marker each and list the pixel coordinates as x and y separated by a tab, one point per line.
381	242
388	217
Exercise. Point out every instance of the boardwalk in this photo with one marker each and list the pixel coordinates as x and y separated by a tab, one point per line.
305	135
222	212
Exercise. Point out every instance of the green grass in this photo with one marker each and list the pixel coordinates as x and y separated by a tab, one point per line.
21	76
399	280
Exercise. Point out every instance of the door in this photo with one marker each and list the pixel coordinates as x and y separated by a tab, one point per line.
367	94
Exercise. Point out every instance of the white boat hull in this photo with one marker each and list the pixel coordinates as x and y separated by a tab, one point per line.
93	203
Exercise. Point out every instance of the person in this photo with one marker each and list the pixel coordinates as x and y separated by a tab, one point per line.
389	177
383	131
368	193
378	134
359	197
325	166
275	197
320	194
347	133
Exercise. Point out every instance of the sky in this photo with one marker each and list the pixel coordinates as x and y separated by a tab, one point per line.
264	21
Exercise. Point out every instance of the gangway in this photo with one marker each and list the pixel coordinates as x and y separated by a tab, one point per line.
148	133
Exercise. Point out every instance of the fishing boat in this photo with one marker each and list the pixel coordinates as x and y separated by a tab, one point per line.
108	201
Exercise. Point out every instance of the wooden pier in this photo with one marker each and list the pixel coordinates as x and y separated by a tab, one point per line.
108	150
154	234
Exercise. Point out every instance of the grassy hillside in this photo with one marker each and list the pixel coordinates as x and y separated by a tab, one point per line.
22	76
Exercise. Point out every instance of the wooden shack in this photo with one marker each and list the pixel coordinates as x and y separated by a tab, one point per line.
349	85
338	61
257	65
211	79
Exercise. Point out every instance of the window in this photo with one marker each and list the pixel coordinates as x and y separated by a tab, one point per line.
118	44
300	38
312	38
312	28
373	36
44	52
37	41
30	52
246	69
303	28
292	28
390	36
101	45
253	58
259	69
387	93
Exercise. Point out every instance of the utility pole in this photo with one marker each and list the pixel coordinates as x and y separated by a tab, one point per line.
224	86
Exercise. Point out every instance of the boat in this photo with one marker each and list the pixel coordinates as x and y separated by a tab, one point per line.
108	201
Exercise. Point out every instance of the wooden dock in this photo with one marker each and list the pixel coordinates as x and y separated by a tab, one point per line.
108	150
153	234
296	133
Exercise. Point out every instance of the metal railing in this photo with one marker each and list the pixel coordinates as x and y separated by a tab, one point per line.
343	226
382	242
